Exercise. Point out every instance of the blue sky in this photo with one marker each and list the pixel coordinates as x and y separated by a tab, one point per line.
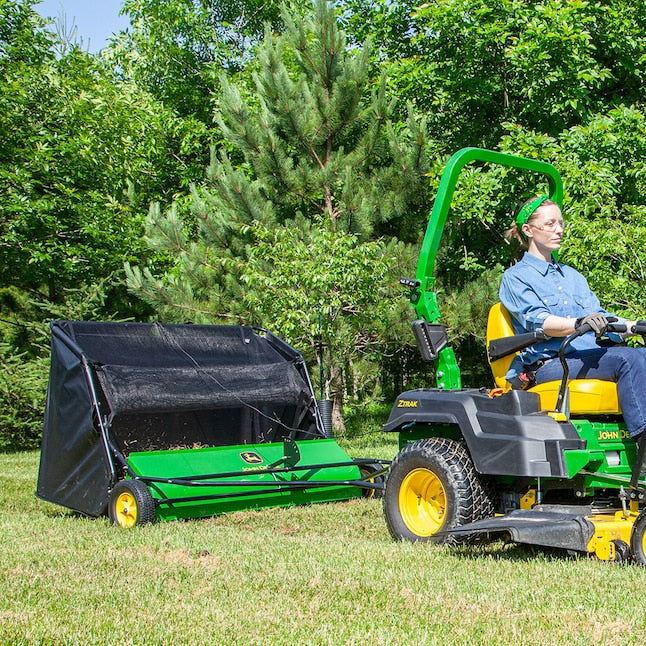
95	20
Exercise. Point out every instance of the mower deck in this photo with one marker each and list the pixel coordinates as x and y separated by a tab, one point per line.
603	533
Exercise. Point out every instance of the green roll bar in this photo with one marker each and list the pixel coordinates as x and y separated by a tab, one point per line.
423	296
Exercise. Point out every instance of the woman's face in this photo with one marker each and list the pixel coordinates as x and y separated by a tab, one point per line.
545	228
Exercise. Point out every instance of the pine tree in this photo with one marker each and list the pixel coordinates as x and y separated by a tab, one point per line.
294	228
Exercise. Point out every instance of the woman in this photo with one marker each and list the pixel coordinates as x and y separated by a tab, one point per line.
541	293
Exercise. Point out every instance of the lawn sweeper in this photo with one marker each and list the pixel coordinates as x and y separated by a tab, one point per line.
148	421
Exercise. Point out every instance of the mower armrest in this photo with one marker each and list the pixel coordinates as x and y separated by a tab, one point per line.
499	348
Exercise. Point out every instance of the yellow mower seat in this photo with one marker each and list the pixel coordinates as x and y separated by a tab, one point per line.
587	396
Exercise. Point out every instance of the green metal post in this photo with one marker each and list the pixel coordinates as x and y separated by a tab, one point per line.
424	298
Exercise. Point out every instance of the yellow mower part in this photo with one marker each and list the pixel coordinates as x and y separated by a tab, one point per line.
608	530
529	499
422	501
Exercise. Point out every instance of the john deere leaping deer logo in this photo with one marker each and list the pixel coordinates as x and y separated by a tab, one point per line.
250	457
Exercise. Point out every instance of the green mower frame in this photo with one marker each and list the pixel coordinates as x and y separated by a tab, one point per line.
483	463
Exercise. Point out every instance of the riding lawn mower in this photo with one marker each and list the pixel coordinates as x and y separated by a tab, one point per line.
551	466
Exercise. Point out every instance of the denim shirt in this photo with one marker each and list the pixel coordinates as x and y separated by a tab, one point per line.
531	290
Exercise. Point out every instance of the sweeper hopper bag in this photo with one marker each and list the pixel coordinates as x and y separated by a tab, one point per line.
156	422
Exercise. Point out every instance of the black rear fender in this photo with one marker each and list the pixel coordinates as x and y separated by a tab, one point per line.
505	435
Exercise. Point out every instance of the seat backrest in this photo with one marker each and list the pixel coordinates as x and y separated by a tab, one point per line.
498	326
587	396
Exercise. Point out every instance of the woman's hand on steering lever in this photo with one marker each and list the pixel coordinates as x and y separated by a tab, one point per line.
597	322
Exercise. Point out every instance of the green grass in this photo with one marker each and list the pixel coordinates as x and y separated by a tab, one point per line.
320	574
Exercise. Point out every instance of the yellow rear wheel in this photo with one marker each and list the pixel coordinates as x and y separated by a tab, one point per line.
432	487
422	502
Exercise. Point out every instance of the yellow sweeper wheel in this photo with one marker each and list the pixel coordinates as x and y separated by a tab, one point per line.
131	504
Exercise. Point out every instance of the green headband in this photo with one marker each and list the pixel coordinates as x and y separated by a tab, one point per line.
528	210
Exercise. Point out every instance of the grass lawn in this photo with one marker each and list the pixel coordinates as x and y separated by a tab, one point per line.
321	574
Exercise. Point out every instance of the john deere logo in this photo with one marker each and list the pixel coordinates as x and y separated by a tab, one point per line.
620	434
250	457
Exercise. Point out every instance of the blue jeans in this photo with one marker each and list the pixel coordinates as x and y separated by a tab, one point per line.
623	365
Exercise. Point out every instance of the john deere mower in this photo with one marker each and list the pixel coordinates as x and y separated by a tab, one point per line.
550	466
147	421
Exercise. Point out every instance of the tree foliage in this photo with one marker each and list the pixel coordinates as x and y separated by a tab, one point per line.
292	227
81	158
546	66
321	175
176	50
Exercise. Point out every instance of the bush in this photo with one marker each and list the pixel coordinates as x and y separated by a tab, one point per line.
366	418
23	389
